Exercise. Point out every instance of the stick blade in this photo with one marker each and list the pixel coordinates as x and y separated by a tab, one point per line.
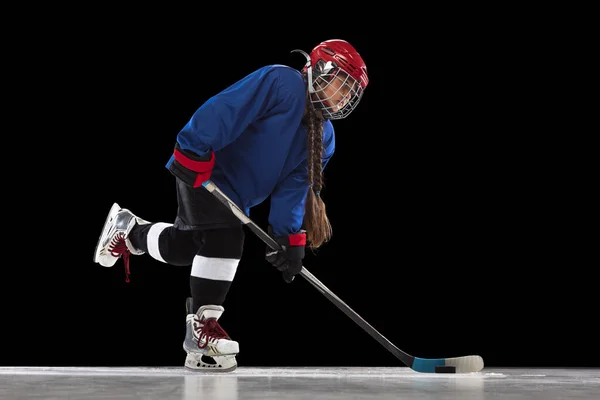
466	364
463	365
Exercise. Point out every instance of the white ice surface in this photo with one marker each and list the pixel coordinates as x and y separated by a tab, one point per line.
335	383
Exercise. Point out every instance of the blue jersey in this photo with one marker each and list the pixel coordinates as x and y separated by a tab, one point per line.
260	145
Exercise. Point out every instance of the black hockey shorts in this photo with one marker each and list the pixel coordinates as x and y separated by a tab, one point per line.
198	209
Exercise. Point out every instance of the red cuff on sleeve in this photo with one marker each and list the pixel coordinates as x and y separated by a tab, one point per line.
298	239
196	166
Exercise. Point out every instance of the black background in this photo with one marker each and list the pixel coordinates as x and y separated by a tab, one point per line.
454	194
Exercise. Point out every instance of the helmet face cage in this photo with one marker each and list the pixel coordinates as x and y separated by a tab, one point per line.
333	91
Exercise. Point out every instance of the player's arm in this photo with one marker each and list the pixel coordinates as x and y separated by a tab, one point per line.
289	196
219	121
285	223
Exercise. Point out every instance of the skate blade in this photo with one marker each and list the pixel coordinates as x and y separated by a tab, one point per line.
204	363
113	211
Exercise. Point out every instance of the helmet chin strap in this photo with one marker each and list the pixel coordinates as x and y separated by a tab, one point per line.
308	66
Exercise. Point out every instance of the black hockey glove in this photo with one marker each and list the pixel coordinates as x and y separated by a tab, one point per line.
288	260
190	167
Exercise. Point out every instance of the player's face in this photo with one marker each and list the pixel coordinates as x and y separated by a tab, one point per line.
337	93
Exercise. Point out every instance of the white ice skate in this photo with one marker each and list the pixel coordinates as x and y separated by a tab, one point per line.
207	345
114	242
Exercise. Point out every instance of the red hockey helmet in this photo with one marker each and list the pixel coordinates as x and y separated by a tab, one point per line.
337	77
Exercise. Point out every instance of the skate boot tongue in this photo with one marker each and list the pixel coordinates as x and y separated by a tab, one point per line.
210	311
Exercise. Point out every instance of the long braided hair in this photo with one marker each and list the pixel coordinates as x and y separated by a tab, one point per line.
316	223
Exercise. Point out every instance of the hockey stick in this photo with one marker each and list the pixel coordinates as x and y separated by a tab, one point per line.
465	364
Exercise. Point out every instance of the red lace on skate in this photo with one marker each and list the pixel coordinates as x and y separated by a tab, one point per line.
211	330
118	248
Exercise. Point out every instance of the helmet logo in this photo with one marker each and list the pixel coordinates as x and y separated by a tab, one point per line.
328	67
325	68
